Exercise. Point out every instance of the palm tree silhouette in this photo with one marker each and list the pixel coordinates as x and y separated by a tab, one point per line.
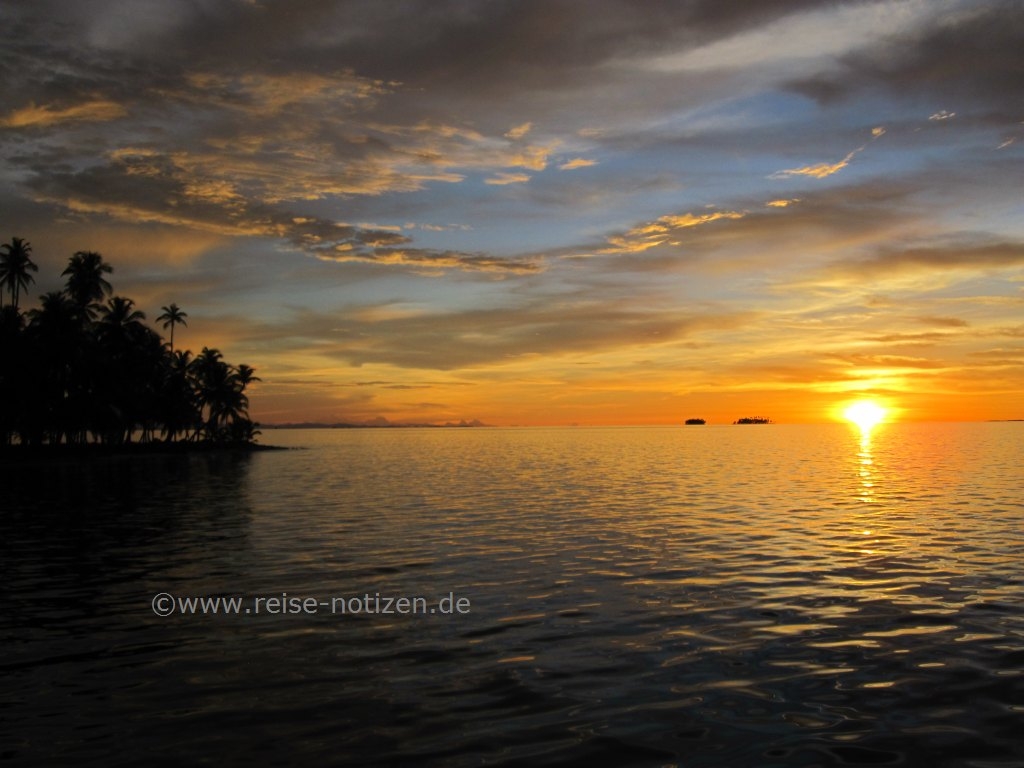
221	391
245	375
15	265
121	313
55	336
171	317
74	370
86	284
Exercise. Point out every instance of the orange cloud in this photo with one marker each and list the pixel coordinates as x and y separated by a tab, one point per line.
654	233
576	162
34	116
818	171
519	131
507	178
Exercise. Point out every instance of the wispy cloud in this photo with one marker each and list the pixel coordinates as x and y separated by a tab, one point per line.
519	131
576	162
425	259
507	178
651	234
33	116
818	170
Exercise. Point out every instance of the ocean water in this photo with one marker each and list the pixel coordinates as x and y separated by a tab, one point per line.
776	595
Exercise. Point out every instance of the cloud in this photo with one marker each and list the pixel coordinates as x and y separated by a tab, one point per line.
890	362
949	322
270	94
519	131
479	337
576	162
794	41
434	260
651	234
818	171
149	187
934	259
33	116
507	178
966	51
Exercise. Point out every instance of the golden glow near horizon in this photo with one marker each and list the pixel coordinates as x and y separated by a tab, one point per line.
865	414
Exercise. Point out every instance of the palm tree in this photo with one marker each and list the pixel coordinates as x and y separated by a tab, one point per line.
56	341
15	265
220	391
86	283
171	317
14	372
120	313
244	374
125	379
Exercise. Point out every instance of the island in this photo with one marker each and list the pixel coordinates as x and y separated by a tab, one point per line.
84	373
753	420
695	421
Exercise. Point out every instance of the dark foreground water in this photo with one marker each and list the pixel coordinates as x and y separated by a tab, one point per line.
701	596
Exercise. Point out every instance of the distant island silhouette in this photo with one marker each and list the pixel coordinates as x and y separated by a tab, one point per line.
84	371
753	420
374	424
695	421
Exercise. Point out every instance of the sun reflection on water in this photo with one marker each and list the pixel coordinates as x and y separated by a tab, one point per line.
866	464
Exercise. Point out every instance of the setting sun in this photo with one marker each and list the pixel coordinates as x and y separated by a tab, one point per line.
864	413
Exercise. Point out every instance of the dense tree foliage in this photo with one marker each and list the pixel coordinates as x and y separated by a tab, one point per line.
83	367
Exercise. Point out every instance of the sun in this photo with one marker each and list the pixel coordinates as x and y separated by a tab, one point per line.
865	413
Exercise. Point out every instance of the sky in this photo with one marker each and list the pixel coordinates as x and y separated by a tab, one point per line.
542	212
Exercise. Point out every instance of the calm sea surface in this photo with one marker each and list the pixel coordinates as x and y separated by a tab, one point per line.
692	596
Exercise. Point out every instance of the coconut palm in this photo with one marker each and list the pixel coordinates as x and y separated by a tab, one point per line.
121	313
15	265
75	370
130	351
220	392
245	375
171	317
86	284
57	342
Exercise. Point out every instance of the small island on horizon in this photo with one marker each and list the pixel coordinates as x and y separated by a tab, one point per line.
753	420
692	422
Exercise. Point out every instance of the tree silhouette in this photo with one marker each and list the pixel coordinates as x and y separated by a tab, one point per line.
171	317
12	367
15	265
73	371
58	344
86	284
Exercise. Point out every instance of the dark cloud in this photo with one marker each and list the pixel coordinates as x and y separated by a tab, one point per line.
971	54
452	59
453	340
978	257
157	188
